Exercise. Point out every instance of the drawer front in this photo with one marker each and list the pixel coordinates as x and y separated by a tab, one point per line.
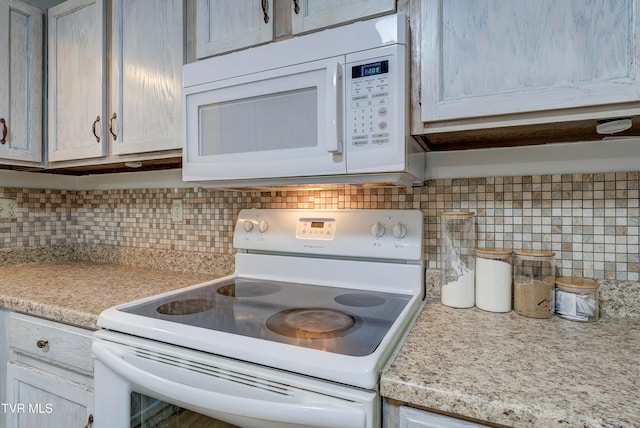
50	341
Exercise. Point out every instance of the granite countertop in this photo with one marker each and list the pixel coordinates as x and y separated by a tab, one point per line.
76	292
516	371
502	368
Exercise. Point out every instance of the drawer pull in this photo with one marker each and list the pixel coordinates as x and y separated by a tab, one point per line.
43	344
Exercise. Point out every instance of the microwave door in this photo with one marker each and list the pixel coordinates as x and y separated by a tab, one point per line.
286	122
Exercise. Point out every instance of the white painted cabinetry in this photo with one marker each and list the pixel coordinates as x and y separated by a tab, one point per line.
49	374
307	15
121	104
414	418
486	63
21	83
226	25
76	80
145	81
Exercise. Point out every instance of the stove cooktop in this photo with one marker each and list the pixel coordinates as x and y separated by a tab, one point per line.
339	320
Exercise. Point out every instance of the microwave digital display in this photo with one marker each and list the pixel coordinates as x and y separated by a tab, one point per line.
372	69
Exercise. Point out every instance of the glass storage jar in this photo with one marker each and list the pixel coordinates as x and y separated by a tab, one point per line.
493	279
534	283
457	261
577	299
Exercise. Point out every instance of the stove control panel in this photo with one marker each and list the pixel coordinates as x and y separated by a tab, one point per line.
320	228
388	234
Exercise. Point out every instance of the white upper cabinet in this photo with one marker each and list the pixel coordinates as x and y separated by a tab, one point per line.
487	58
226	25
145	85
118	105
307	15
76	80
21	84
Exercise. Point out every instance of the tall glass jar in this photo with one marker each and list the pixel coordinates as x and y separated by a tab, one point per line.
457	259
493	279
534	283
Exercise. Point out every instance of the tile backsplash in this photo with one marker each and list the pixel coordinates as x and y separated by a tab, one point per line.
589	220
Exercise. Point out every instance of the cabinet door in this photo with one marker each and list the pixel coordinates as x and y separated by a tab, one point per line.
313	14
225	25
39	399
490	57
76	80
146	76
21	84
414	418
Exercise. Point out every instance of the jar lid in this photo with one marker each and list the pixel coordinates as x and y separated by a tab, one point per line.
576	282
534	253
457	213
493	252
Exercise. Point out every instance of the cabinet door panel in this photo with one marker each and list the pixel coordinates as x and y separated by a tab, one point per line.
314	14
21	72
146	76
76	80
47	400
225	25
492	57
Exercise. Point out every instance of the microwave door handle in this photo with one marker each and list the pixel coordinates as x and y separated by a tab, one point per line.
334	107
306	414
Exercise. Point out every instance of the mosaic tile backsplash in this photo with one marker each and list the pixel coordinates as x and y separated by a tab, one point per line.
589	220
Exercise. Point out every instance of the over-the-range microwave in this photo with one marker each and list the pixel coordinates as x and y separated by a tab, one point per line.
326	107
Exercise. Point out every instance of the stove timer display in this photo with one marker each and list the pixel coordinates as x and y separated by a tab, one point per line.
316	228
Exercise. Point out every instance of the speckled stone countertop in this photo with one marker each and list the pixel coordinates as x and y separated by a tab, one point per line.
76	292
516	371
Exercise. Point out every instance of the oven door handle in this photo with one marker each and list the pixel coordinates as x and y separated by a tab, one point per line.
307	414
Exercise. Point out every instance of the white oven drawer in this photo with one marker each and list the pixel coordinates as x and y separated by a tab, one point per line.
51	342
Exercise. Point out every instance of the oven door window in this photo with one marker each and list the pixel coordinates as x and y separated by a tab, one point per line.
147	412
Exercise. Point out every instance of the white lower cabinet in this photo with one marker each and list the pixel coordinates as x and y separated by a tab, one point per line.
49	374
414	418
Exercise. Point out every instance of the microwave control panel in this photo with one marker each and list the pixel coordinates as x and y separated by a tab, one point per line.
376	124
371	102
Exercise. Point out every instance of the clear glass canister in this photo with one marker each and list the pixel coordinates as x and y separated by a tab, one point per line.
457	259
493	279
534	283
577	299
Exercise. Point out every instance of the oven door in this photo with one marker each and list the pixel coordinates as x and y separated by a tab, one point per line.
141	383
285	122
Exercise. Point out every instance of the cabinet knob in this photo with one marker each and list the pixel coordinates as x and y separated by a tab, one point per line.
43	344
296	7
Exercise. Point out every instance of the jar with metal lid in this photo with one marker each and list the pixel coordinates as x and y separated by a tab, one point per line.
534	283
577	299
493	279
457	261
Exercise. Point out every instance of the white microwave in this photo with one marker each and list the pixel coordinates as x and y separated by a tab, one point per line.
327	107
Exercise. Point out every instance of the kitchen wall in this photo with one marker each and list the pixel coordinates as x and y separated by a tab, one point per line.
590	220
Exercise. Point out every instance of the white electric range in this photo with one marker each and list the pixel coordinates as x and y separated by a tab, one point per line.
297	336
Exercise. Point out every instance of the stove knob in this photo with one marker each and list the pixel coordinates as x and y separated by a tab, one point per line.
399	230
248	225
263	226
377	229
